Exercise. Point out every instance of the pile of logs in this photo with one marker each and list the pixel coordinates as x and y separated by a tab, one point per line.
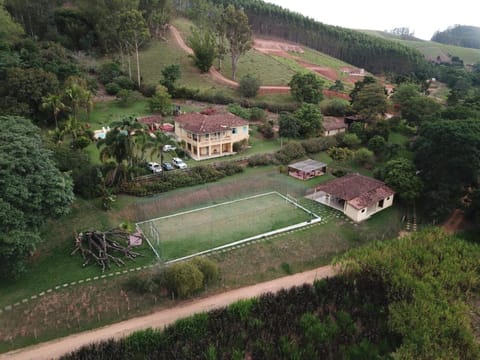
104	247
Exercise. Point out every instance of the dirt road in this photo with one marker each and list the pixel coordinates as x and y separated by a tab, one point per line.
159	319
265	89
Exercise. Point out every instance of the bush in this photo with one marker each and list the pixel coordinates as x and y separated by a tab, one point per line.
364	157
142	284
108	72
336	107
112	88
208	268
266	130
249	86
340	153
257	114
316	145
339	172
228	168
124	82
147	90
81	142
125	97
240	145
183	279
351	140
239	111
289	152
262	160
185	93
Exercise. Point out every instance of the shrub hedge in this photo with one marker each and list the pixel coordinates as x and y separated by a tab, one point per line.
177	179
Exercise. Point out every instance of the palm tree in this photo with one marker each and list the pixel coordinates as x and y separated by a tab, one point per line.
78	95
53	102
115	146
130	128
158	142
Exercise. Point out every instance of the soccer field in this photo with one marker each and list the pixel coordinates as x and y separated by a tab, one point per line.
182	234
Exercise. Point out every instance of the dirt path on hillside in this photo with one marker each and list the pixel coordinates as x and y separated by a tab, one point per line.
258	45
159	319
213	72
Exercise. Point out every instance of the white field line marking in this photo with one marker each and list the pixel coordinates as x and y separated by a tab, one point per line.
207	207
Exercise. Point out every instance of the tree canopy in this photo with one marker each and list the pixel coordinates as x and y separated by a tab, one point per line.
237	33
32	190
448	158
306	87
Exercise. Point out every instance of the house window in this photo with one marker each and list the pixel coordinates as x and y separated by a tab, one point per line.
245	129
206	136
388	198
234	130
363	210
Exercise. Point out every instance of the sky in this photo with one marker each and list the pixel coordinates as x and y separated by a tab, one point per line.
423	17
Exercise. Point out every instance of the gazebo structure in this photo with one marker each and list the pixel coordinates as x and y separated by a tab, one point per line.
307	169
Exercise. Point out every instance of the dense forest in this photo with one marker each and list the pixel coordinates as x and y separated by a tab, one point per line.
459	35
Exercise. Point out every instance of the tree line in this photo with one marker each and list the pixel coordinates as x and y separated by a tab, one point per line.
459	35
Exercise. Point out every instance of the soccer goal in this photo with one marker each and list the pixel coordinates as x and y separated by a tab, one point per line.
220	226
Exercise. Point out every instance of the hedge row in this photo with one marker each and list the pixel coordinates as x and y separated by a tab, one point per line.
292	151
177	179
220	98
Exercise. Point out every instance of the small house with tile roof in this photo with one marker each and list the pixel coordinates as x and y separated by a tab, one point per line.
210	135
357	196
333	125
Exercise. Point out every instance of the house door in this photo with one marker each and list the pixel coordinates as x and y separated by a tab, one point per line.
380	203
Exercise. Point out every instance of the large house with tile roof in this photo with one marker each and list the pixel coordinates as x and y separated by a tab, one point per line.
357	196
209	135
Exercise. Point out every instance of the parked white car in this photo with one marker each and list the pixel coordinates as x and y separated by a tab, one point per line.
177	162
168	147
154	167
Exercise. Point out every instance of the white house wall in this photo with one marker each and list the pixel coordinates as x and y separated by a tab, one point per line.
363	214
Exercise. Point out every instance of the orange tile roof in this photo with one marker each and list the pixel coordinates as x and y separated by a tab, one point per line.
358	190
204	124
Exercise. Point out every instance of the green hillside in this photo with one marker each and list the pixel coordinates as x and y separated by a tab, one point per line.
270	69
431	50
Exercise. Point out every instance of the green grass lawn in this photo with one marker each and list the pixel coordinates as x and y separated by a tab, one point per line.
104	113
186	233
52	264
268	69
321	59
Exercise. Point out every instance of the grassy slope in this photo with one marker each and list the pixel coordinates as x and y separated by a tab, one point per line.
271	70
433	49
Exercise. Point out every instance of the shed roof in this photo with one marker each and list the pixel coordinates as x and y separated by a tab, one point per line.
358	190
307	165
